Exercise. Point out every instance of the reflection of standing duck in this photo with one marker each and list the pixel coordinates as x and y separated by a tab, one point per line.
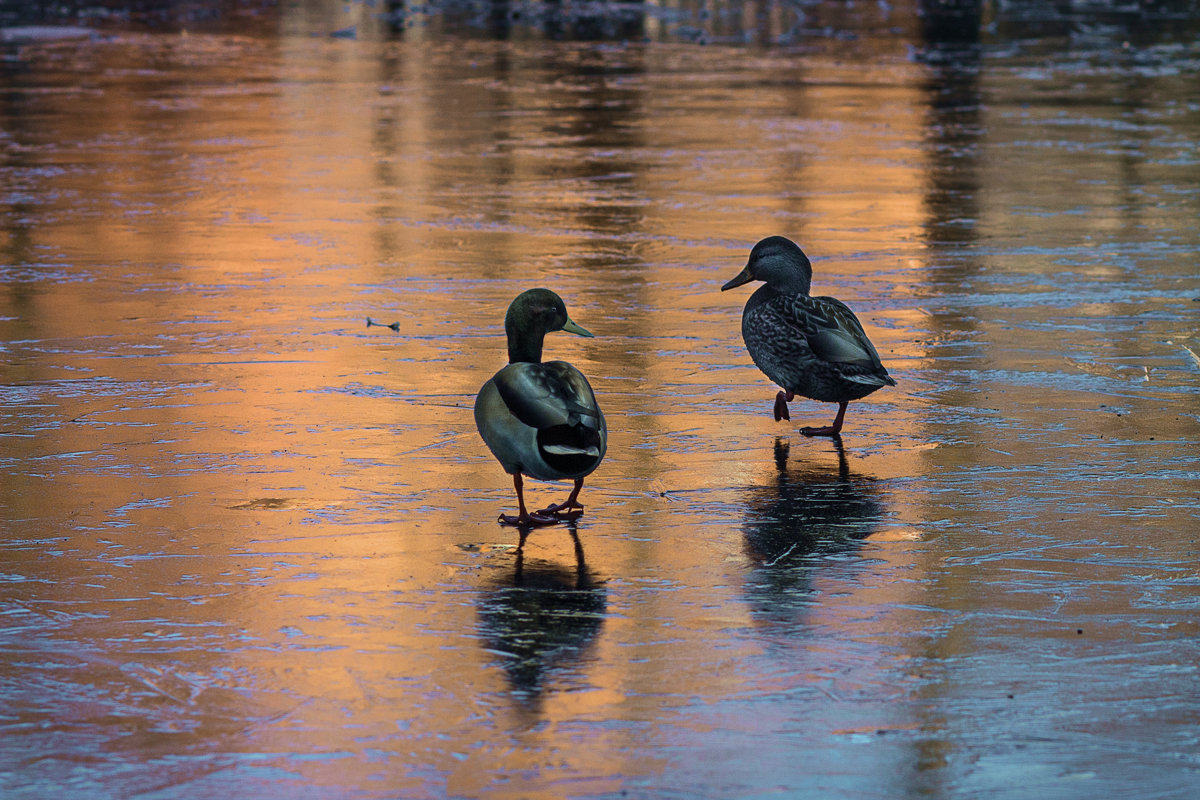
806	513
545	617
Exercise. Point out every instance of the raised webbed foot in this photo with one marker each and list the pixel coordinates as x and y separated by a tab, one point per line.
781	408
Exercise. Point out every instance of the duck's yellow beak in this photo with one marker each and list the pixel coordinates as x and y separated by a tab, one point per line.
572	327
745	276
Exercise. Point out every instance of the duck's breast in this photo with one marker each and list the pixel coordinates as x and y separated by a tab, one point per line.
512	442
776	337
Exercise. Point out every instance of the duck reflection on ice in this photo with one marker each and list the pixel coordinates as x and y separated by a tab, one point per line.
545	617
807	513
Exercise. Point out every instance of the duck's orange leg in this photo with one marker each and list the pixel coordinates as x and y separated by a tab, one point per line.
524	518
830	430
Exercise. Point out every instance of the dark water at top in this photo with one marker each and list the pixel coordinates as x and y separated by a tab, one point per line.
249	544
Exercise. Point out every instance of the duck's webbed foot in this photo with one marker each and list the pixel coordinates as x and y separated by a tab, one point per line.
781	408
524	519
827	430
834	430
570	509
527	520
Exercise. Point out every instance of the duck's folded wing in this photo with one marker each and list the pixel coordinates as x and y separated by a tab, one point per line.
843	341
833	332
577	394
545	395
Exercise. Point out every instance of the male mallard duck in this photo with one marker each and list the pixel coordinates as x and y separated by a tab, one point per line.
811	346
541	420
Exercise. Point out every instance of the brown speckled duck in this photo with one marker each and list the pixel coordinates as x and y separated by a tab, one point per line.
811	346
541	419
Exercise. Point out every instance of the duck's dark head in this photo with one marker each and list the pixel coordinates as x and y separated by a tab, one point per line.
778	262
533	314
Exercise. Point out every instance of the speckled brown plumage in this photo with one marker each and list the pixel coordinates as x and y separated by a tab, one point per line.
811	346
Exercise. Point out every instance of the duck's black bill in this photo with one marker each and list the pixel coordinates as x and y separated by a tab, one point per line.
742	277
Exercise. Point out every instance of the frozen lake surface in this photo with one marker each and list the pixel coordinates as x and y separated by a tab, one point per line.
250	544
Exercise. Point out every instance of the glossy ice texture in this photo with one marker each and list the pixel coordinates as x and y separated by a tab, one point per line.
249	543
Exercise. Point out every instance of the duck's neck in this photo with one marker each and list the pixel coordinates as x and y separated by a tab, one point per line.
524	343
789	274
797	282
762	294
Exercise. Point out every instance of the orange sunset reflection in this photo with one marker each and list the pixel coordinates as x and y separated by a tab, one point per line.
253	540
